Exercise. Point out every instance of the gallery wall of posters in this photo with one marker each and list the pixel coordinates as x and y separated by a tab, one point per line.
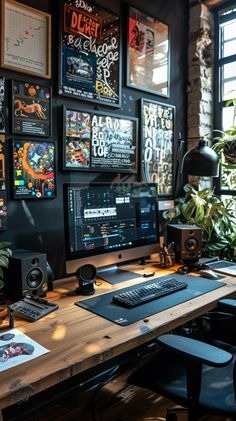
97	141
89	53
2	105
3	193
157	139
147	53
31	109
33	169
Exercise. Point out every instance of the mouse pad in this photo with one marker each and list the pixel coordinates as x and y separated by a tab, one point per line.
102	305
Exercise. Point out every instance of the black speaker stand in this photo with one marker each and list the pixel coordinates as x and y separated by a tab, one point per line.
85	288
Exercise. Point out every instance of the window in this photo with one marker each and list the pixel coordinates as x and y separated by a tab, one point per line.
225	104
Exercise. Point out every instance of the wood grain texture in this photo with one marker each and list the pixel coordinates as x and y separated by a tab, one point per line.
79	340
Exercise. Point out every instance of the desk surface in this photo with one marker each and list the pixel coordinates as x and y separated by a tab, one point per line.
79	340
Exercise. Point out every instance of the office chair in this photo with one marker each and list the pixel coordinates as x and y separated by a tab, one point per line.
193	374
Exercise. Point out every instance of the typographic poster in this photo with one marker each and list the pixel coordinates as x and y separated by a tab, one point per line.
31	112
33	169
2	105
98	141
157	122
90	53
3	193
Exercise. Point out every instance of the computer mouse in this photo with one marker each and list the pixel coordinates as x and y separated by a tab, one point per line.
210	274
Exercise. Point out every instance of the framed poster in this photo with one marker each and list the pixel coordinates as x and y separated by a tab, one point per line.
3	193
31	109
33	169
99	141
89	62
157	139
2	105
25	39
147	53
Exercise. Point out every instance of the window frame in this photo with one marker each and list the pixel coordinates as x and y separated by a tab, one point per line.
219	103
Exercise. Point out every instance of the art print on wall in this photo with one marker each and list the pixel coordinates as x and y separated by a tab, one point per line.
147	53
33	169
98	141
31	109
25	39
2	105
3	193
157	137
90	53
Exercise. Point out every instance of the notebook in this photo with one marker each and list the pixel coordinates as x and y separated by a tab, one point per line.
223	266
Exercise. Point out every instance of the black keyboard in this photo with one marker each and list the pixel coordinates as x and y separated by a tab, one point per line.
149	292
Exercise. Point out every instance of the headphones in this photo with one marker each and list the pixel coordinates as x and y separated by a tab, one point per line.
86	276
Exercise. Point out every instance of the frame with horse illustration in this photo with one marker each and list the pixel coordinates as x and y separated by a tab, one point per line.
31	109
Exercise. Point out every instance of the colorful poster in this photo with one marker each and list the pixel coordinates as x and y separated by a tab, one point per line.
31	109
97	141
90	53
77	142
2	105
3	193
157	121
147	53
33	169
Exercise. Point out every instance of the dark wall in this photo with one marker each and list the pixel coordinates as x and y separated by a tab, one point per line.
38	225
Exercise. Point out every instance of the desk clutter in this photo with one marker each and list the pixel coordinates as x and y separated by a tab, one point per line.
104	306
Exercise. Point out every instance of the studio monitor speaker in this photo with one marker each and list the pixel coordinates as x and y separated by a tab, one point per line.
26	274
187	241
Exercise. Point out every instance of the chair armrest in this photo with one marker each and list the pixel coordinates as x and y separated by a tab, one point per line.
195	350
228	304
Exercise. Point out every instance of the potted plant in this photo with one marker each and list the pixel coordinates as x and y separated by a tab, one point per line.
5	252
215	216
225	144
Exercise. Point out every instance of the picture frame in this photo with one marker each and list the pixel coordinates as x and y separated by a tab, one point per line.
33	169
157	144
25	39
148	61
90	55
99	141
31	109
3	189
2	105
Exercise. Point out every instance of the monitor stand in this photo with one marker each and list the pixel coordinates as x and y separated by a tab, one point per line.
114	275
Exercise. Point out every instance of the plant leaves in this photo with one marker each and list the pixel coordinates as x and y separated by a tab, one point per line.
4	262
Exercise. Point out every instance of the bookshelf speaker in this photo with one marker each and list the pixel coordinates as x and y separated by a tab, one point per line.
187	241
26	274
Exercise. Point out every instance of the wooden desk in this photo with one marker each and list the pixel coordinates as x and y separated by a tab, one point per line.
79	340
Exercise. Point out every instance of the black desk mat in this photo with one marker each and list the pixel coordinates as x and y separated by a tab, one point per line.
102	305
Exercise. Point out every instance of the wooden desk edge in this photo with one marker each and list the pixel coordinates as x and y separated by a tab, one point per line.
170	320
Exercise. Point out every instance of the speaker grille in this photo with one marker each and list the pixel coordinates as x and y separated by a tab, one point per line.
34	278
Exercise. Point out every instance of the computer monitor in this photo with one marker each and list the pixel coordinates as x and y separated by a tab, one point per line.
108	224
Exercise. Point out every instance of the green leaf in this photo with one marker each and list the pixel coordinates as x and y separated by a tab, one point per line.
4	262
1	284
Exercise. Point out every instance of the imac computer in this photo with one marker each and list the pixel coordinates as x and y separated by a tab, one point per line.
107	224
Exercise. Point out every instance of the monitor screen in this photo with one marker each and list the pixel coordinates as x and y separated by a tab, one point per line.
109	223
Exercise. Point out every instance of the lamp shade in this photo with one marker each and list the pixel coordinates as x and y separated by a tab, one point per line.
202	161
